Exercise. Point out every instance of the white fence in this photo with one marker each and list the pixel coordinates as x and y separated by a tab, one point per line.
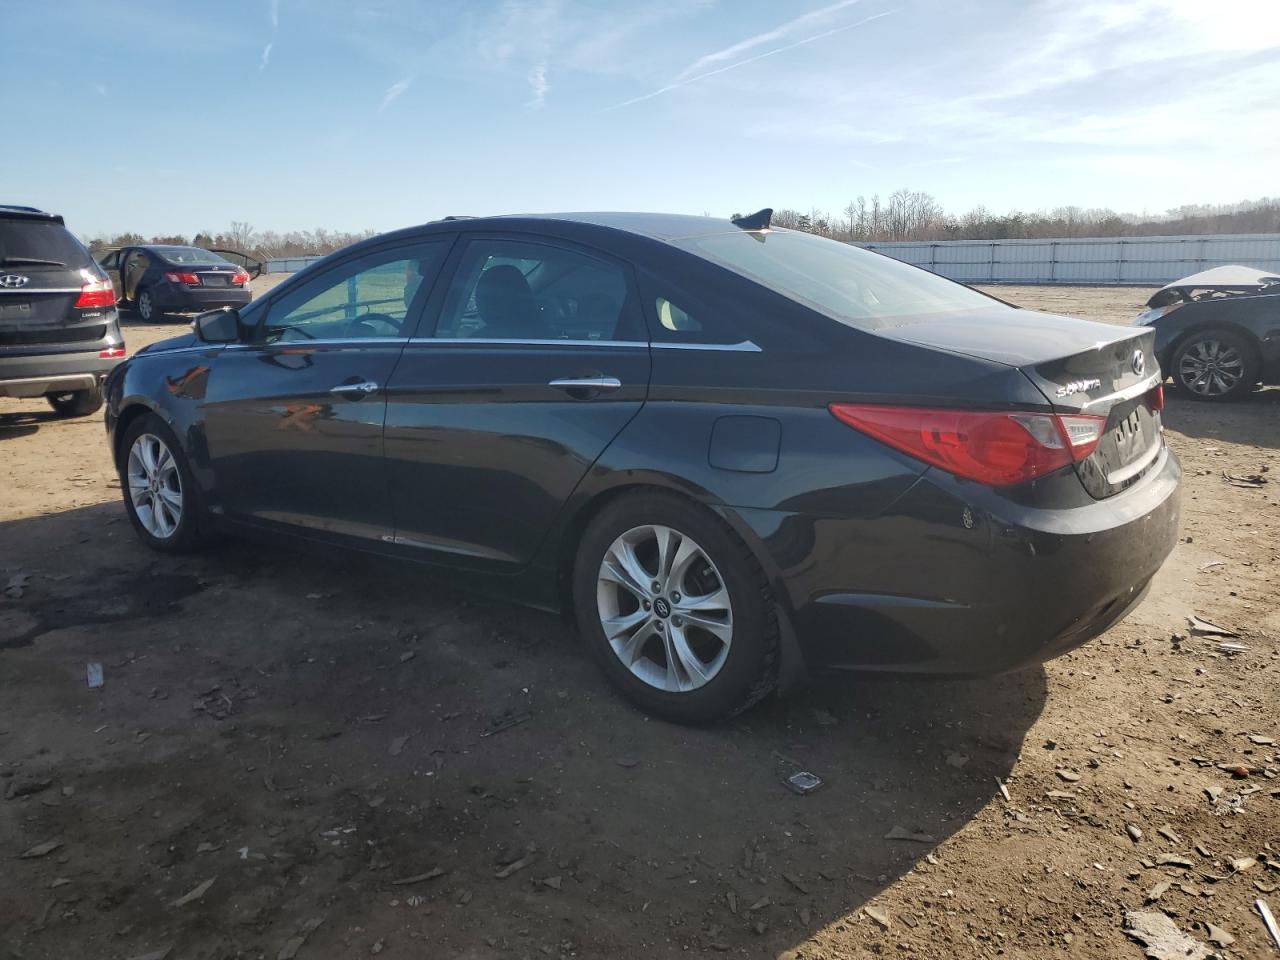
1140	261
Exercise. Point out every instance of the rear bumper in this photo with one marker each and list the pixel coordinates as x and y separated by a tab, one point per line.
920	590
180	297
38	375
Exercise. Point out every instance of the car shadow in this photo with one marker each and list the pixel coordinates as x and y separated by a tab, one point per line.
354	723
1254	421
23	423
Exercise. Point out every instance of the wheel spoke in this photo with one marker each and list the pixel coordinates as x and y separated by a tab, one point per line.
625	623
631	651
694	671
623	567
684	558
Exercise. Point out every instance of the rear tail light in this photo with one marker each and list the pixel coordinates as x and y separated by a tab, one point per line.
111	353
96	293
999	449
1155	398
190	279
240	279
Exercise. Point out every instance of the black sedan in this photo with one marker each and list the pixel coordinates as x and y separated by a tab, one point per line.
1218	331
165	278
733	452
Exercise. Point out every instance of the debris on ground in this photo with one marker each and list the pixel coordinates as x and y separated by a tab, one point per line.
881	917
1219	937
902	833
397	745
195	894
295	943
504	722
419	877
17	586
93	673
1205	628
515	866
803	782
1247	480
40	850
1268	920
1162	938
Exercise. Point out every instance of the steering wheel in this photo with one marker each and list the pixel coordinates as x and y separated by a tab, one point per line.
368	324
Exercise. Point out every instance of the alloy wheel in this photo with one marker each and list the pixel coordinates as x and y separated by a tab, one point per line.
664	608
1211	368
145	307
155	486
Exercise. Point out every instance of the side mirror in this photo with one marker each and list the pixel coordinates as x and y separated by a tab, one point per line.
217	326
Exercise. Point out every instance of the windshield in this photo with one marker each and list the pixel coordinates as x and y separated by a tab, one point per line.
182	255
862	289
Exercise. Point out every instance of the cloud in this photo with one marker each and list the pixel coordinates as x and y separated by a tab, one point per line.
760	39
393	92
100	89
539	85
273	10
687	80
266	56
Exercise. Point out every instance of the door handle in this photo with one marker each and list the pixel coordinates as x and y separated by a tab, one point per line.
600	384
355	391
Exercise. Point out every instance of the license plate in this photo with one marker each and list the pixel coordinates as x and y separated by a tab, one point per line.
1129	437
213	279
15	311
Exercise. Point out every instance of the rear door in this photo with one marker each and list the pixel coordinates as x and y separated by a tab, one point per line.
294	416
496	412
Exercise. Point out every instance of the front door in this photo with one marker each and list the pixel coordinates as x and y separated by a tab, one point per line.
495	414
294	415
111	265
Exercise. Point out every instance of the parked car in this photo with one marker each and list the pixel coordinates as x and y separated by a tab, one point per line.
732	451
59	331
1216	331
158	278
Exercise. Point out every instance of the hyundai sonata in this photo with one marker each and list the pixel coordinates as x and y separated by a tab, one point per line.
732	452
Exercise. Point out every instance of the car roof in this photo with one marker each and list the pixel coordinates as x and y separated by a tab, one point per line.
656	226
12	211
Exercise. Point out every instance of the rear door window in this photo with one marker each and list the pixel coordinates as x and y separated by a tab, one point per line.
531	290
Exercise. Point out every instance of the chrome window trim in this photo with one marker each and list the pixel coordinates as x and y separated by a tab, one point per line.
339	342
744	346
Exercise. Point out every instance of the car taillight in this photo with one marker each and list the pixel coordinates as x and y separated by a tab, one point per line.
995	448
240	279
190	279
96	293
111	353
1155	398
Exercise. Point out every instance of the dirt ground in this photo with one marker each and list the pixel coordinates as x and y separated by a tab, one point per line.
328	756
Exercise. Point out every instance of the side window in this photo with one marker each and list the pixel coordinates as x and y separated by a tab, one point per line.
518	290
681	316
370	297
110	261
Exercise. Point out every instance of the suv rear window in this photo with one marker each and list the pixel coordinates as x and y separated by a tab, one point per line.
859	288
22	240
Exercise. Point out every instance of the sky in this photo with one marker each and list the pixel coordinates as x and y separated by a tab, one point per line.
157	117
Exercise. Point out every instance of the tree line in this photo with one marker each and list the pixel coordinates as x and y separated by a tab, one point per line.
914	215
905	215
241	236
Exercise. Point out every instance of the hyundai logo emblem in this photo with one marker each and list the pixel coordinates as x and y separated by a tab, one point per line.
12	281
1139	362
662	608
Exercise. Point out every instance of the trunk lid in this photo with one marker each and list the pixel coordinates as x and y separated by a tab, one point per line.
42	270
1081	367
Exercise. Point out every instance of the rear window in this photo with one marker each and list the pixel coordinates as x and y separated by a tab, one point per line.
22	241
187	255
862	289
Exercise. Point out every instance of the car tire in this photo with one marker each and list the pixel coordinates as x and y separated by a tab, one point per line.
78	403
160	493
145	304
713	609
1215	364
